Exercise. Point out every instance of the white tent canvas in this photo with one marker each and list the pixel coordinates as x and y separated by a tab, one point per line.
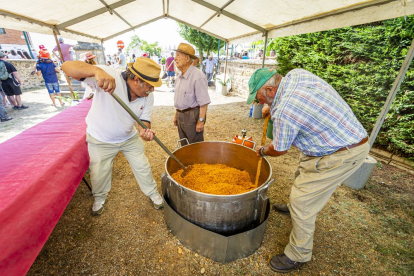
234	20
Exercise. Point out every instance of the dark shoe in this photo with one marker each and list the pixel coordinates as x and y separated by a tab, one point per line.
281	208
281	263
22	107
15	107
6	119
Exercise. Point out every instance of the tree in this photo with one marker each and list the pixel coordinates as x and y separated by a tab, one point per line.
152	48
202	41
135	42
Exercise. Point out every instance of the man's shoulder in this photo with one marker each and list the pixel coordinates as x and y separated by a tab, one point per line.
298	72
197	73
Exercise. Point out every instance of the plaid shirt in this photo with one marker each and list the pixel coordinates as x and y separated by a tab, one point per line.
310	115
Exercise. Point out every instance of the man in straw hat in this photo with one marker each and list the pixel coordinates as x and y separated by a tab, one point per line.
309	114
191	96
111	129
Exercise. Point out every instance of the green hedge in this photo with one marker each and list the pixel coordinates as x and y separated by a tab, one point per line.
361	63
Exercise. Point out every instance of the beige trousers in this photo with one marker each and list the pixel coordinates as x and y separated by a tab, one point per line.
102	160
316	178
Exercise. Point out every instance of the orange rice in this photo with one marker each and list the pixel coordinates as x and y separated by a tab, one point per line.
216	179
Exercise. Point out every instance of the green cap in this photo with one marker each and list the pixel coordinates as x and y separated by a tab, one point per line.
259	77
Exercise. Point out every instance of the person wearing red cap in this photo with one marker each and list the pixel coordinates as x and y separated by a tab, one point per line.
48	69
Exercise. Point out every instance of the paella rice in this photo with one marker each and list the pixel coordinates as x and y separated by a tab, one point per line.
216	179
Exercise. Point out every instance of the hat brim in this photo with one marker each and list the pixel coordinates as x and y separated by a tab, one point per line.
251	98
181	51
155	84
91	57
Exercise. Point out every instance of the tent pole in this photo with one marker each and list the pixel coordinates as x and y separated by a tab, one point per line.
28	45
393	92
218	56
225	66
61	57
264	51
103	52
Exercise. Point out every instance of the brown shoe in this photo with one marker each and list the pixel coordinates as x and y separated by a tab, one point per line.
281	208
281	263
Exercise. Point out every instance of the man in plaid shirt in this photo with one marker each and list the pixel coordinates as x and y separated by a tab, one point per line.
309	114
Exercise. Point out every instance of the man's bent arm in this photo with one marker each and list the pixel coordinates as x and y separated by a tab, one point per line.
79	70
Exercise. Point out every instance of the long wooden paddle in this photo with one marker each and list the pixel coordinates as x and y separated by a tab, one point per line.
259	165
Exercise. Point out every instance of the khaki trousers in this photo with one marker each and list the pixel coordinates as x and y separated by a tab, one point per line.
186	124
316	178
102	160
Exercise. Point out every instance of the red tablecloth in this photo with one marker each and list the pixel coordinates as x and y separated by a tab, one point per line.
40	169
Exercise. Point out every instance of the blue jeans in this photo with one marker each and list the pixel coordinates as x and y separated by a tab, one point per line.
52	86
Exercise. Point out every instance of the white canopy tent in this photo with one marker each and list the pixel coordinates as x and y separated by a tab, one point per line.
231	21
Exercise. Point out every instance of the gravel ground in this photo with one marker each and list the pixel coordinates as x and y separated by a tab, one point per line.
365	232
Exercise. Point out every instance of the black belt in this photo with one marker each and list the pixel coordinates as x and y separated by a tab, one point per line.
363	141
188	109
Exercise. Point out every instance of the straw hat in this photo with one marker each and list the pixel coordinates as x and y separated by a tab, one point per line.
89	55
147	70
186	49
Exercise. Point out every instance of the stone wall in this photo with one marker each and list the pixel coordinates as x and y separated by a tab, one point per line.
240	70
24	68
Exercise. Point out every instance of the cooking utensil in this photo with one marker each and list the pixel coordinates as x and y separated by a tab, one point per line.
133	115
259	165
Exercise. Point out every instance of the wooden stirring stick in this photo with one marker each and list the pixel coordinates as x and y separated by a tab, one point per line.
259	165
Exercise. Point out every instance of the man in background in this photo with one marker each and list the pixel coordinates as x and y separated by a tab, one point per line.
122	61
169	66
209	65
191	96
11	85
65	50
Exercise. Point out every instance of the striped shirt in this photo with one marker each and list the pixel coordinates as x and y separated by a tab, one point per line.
310	115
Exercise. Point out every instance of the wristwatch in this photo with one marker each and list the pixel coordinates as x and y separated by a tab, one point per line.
201	119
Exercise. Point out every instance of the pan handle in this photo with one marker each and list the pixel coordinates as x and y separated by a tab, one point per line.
254	143
178	142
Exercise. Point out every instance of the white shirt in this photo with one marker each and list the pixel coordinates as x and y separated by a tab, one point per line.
209	65
107	120
122	59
